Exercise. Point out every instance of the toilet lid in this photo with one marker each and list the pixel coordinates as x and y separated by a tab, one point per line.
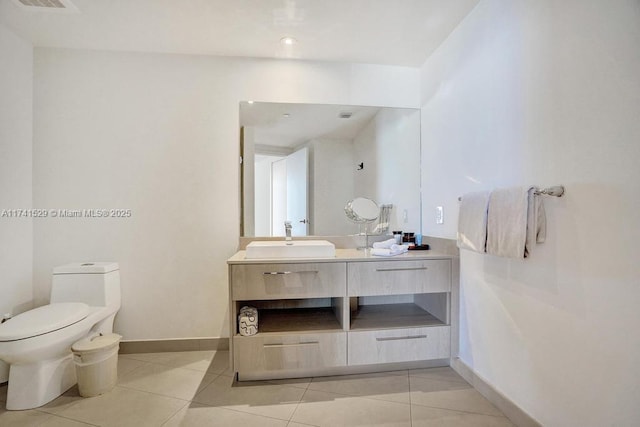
42	320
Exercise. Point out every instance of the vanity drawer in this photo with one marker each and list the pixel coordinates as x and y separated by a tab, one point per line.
398	345
276	281
399	277
261	353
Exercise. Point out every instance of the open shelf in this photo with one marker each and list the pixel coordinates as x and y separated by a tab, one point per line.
386	316
297	320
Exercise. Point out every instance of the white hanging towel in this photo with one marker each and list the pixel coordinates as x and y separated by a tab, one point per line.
472	221
516	222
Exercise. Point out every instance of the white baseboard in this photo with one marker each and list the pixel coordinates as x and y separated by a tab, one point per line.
180	344
512	411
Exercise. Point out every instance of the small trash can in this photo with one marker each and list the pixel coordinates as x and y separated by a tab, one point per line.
96	360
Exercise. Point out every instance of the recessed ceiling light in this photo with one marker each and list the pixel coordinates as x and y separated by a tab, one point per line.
288	41
250	102
286	115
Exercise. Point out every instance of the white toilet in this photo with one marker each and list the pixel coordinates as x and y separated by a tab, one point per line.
36	344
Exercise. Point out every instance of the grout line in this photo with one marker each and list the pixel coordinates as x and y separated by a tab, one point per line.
440	380
410	411
461	410
363	397
303	424
298	404
175	413
228	408
448	409
410	400
74	419
153	393
132	370
67	405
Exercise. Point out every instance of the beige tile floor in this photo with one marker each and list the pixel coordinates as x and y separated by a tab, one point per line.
197	389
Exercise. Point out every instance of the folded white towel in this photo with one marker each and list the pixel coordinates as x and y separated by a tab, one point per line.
472	221
392	251
384	245
516	221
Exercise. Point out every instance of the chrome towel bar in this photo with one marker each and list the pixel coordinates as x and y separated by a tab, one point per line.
555	191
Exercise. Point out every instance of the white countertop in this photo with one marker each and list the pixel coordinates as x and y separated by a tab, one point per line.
343	255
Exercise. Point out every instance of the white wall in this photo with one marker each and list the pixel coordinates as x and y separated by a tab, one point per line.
158	134
546	92
16	117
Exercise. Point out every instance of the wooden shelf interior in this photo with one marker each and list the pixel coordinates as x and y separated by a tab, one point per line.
355	313
319	314
298	320
386	316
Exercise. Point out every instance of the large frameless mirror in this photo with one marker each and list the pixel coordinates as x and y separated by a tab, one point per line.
304	162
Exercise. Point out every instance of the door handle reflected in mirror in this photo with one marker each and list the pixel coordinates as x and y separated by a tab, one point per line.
304	221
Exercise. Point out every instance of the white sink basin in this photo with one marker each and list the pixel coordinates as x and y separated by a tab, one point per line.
290	249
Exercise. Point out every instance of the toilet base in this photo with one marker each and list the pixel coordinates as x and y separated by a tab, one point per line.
36	384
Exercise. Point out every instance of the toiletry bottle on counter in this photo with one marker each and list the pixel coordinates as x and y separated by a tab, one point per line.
397	235
409	239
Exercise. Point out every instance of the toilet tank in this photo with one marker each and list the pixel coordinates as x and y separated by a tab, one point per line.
96	284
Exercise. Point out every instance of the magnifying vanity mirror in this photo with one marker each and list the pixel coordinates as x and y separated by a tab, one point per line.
303	162
362	210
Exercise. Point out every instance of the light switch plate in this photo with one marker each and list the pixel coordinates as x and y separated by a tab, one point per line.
439	215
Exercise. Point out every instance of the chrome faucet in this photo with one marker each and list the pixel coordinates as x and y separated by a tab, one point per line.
287	230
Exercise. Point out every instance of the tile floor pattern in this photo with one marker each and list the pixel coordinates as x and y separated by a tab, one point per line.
197	389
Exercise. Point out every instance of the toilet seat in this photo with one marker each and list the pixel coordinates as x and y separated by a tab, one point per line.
42	320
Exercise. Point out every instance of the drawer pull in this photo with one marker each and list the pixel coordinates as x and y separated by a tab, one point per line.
410	337
401	269
273	273
302	344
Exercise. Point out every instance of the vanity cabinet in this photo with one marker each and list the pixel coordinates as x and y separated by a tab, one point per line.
398	345
290	352
399	277
288	280
352	313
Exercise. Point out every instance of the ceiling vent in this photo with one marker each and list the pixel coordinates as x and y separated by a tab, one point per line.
345	114
46	5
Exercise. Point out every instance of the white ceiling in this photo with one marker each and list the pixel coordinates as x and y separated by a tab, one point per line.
394	32
303	122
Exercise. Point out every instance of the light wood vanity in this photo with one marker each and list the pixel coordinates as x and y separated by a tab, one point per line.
350	314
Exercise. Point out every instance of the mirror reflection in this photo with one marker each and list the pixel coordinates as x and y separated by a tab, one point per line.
362	210
303	162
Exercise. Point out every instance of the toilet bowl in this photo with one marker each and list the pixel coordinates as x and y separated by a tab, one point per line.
36	344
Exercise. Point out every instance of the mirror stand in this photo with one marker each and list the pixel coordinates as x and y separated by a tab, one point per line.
362	211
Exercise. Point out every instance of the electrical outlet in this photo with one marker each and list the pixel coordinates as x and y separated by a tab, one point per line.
439	215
